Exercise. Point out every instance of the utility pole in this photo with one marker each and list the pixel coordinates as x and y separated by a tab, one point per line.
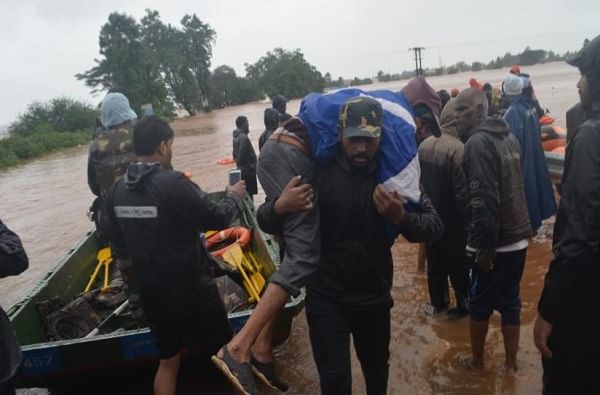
418	66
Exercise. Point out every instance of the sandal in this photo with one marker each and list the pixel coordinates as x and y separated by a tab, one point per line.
238	373
266	373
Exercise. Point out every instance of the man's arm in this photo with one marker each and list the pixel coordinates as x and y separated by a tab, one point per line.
424	224
460	186
576	247
293	199
195	205
117	240
13	259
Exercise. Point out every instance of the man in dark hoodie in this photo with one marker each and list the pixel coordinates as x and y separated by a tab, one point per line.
280	105
155	215
499	227
13	260
444	181
566	330
271	119
244	155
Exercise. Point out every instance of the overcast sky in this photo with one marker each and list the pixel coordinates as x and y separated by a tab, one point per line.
44	43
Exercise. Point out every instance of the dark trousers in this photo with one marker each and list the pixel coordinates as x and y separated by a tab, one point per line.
7	388
574	368
330	325
447	259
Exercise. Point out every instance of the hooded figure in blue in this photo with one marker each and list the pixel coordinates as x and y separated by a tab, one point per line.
522	120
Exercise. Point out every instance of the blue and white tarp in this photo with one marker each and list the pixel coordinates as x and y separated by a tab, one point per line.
397	161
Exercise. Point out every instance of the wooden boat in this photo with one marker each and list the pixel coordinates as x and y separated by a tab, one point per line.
57	362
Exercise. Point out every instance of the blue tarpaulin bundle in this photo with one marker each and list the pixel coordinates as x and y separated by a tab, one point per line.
397	161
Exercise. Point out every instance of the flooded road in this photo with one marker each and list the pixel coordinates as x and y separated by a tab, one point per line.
45	202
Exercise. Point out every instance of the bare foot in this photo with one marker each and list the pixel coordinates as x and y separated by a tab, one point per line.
471	363
510	367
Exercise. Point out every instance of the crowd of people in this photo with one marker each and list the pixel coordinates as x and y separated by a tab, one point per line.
485	192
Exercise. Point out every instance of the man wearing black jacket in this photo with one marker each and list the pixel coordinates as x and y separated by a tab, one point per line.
499	226
13	260
566	330
155	215
349	294
244	155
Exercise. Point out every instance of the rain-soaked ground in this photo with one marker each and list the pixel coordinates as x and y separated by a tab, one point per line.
45	202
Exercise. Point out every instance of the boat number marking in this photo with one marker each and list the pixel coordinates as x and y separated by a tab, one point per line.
38	361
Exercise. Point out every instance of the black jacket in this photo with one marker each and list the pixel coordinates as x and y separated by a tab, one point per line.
443	177
356	266
155	216
243	152
13	261
576	242
492	164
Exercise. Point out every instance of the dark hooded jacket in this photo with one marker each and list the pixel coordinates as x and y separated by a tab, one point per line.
576	242
155	216
492	164
443	177
13	261
523	122
245	159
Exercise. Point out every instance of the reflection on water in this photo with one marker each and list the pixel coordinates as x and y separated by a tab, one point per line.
45	202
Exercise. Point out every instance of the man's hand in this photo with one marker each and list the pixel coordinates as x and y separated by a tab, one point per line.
239	188
541	332
389	205
295	198
485	261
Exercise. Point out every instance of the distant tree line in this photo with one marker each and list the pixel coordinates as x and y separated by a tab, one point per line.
528	57
169	67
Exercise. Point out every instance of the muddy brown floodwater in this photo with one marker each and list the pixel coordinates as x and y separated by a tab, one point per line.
45	202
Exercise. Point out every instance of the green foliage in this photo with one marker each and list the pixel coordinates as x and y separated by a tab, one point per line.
287	73
59	115
126	66
17	148
227	89
182	56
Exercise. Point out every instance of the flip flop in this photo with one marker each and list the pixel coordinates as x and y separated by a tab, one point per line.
238	373
266	373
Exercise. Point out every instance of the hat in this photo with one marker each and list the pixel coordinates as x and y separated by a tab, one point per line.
418	91
115	110
513	85
361	116
588	58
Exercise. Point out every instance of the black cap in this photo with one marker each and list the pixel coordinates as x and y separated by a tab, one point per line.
588	59
361	116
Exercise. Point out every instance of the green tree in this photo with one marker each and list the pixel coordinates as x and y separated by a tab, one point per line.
285	73
125	64
227	89
61	114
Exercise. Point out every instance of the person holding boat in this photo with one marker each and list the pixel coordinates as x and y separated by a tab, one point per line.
349	294
567	327
499	226
13	261
155	216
